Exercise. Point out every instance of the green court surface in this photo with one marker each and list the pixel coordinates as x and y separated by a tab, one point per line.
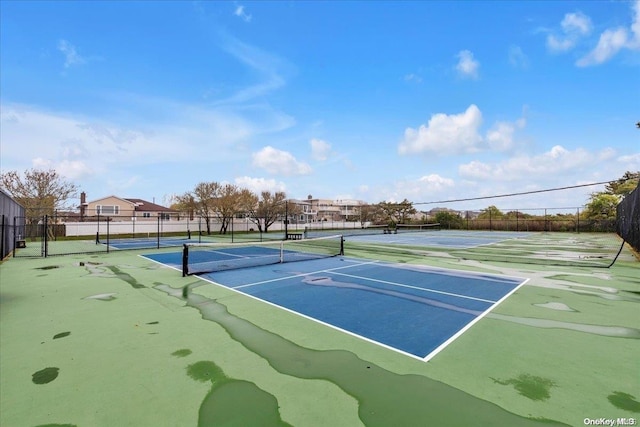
109	340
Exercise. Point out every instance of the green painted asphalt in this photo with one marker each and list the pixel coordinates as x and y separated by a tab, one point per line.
108	340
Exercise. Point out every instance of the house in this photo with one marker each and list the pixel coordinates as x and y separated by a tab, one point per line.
333	210
126	209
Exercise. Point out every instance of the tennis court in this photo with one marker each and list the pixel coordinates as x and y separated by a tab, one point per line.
97	338
445	238
145	243
414	310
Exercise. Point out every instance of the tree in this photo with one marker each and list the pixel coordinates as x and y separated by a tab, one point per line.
201	201
449	220
602	206
269	208
40	192
624	185
491	212
231	201
369	214
397	213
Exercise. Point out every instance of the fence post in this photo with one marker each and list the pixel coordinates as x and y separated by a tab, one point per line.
14	236
108	236
2	238
546	227
45	235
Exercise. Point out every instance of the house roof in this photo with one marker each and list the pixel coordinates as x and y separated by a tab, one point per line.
140	205
143	205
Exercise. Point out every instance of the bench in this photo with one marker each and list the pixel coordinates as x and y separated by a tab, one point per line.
21	244
294	236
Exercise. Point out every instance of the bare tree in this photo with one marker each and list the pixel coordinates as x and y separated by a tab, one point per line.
269	208
232	200
202	201
369	214
40	192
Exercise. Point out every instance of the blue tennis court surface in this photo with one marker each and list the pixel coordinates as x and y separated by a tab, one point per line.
454	239
146	243
411	309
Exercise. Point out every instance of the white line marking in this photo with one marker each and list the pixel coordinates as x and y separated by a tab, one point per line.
303	274
470	324
413	287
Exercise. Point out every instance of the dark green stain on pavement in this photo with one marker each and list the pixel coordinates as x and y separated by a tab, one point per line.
183	352
624	401
384	398
126	277
226	402
531	386
61	335
45	375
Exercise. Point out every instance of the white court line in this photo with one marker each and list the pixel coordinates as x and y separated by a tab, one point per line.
328	270
470	324
425	358
386	282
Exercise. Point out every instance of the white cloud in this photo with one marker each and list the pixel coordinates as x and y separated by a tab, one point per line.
269	67
435	182
574	26
634	43
71	169
500	136
240	13
72	57
412	78
445	134
517	58
631	161
576	23
80	146
279	162
467	67
416	190
609	44
558	161
460	134
258	185
320	150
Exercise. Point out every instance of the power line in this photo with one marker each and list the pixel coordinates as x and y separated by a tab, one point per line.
516	194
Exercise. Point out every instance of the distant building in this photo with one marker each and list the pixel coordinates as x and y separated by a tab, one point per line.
333	210
126	209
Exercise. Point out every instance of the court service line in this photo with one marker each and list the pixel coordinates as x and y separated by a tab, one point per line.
413	287
328	270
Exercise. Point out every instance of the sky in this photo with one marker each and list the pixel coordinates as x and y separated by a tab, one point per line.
374	101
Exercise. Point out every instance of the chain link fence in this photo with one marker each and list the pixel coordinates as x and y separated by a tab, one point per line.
628	218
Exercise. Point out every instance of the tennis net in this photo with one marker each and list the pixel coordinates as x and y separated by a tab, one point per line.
416	228
310	233
211	257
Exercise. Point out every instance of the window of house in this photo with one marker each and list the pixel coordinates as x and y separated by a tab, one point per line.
107	209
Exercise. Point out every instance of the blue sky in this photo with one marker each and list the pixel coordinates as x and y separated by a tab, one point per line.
375	101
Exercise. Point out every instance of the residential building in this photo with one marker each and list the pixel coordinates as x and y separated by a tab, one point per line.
126	209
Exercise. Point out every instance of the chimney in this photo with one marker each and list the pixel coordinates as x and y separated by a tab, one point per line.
83	205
